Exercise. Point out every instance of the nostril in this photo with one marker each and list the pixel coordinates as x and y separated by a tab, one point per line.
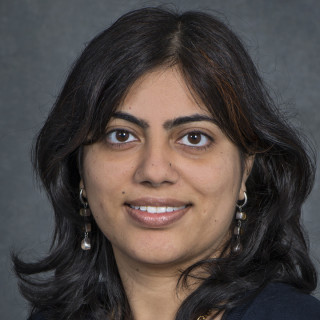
155	170
153	184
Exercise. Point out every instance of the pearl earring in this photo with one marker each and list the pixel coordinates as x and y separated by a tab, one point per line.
85	213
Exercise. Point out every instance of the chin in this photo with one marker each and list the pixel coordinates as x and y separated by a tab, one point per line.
159	251
164	260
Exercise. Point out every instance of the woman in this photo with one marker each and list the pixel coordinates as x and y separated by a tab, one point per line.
176	183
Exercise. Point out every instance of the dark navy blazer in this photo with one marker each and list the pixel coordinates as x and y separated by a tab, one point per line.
277	301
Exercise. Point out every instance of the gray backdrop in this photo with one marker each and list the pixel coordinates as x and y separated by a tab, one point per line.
41	38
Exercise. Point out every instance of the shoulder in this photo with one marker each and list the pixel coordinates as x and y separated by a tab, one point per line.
279	301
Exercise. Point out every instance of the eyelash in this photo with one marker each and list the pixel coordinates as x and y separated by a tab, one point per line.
197	147
120	144
185	136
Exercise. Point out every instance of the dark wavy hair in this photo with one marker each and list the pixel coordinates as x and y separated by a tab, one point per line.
70	283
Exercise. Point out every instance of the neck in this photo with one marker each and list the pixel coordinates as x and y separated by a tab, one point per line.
152	291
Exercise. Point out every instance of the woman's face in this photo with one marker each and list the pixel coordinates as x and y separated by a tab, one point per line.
163	182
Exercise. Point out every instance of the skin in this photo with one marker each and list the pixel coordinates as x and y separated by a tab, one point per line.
194	163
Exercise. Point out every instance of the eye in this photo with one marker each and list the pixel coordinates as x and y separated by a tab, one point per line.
120	136
195	139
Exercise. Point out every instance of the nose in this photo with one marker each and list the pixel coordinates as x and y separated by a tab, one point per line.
156	167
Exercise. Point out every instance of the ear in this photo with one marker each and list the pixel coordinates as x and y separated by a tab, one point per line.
248	163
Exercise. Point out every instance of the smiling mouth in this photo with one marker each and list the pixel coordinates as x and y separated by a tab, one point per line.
156	213
155	210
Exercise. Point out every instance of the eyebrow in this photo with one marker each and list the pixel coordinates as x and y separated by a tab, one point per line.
169	124
182	120
128	117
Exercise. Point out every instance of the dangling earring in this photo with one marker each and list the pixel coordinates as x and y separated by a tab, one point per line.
85	213
240	217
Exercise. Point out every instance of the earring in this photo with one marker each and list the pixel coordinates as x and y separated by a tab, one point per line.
240	217
85	213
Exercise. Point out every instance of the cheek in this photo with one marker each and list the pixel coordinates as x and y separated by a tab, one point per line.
104	185
102	173
216	182
217	176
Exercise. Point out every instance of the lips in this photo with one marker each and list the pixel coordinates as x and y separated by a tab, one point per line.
155	212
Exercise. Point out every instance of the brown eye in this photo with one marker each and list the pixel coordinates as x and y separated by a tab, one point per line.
194	137
120	136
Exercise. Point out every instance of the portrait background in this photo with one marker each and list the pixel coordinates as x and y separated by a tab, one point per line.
41	38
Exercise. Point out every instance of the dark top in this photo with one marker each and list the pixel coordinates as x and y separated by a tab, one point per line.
277	301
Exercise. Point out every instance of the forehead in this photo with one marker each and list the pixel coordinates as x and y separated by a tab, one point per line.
162	93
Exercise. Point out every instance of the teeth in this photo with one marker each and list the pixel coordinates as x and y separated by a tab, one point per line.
150	209
161	209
